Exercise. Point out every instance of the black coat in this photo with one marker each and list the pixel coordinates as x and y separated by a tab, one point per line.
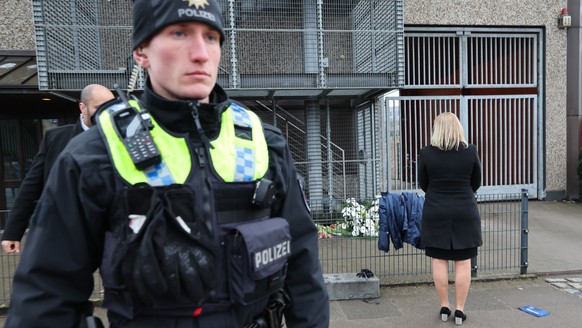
51	146
450	179
55	276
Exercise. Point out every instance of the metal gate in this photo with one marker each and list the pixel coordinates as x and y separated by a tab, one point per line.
365	121
490	81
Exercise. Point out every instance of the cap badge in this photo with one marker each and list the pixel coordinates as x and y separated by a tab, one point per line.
198	4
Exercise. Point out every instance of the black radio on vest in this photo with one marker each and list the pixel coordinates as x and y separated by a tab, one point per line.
134	131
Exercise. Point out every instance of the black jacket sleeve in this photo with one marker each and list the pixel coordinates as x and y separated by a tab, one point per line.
31	187
304	282
476	174
54	279
422	172
27	196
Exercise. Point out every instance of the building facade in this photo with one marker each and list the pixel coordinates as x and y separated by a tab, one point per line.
553	85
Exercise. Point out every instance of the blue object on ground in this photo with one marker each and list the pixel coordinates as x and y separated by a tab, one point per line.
534	311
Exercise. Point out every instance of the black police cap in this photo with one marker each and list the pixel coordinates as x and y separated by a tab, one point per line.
151	16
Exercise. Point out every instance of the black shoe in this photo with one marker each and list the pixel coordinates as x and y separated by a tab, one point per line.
365	273
445	313
459	317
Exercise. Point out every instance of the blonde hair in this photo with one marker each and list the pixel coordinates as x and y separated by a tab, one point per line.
448	132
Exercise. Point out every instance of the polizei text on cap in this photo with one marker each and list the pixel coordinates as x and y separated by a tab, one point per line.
188	12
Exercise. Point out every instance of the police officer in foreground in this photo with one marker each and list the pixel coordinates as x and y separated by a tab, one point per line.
188	205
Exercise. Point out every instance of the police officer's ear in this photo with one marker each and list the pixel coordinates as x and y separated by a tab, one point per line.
140	57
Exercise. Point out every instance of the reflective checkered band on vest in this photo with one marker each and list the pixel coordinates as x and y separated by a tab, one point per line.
240	152
245	157
245	164
159	175
240	116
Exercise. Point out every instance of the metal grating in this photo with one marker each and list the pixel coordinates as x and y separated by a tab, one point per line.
432	59
367	151
471	59
502	60
373	40
281	44
504	129
79	42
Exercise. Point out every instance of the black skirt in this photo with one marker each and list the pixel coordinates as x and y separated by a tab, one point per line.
451	254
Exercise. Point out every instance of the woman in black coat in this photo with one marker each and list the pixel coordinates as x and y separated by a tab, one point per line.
450	174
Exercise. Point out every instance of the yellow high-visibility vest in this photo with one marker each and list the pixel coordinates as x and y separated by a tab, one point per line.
239	153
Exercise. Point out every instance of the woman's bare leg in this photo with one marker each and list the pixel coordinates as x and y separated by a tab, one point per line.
440	275
462	282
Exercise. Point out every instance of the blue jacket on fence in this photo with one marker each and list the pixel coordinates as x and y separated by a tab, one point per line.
391	221
414	204
400	220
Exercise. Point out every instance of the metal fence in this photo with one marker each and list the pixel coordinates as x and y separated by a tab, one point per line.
504	225
504	251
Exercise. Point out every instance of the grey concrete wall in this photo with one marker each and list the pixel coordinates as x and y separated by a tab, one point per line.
16	25
516	13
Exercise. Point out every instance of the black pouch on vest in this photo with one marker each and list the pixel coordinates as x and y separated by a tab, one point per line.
257	259
119	259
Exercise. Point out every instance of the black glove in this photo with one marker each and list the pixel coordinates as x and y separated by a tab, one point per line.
190	251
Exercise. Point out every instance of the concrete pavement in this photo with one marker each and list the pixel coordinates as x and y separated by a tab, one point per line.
555	238
490	304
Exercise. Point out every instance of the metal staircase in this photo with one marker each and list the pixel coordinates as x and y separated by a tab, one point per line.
333	163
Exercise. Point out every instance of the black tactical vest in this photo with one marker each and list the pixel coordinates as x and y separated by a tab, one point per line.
200	246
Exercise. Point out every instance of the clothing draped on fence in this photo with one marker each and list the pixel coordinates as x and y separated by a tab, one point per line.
400	220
